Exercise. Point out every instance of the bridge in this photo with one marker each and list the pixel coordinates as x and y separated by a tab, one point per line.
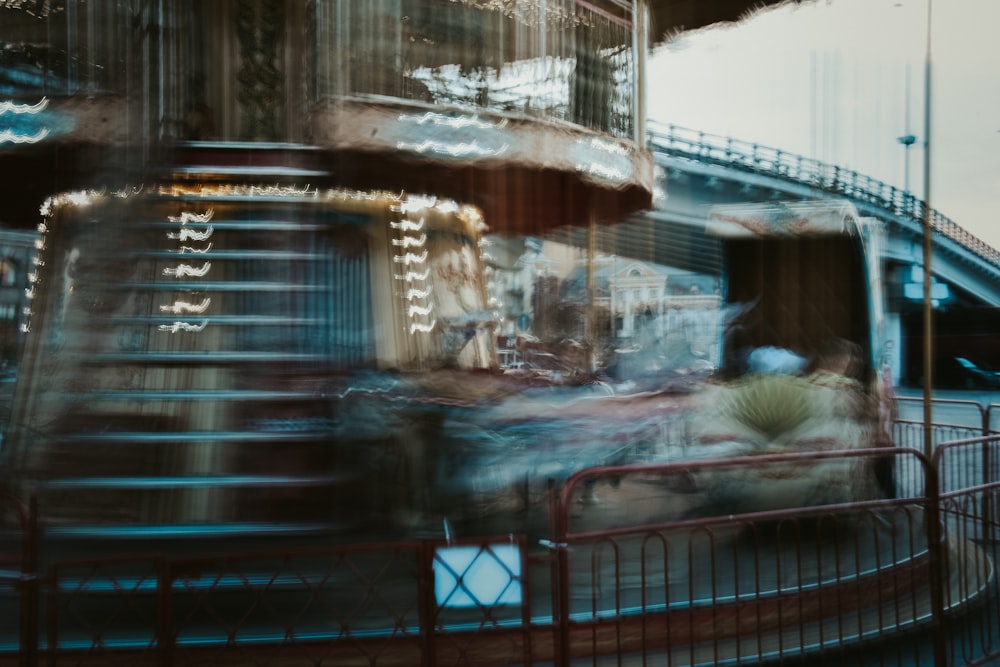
699	170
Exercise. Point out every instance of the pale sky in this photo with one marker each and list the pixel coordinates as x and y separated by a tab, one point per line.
828	80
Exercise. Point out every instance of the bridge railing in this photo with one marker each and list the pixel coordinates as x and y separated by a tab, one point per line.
730	152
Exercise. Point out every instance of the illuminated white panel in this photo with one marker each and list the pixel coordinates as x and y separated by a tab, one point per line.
473	576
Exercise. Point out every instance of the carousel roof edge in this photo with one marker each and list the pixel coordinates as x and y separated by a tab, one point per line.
672	17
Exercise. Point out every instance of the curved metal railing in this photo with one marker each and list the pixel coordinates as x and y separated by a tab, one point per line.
751	157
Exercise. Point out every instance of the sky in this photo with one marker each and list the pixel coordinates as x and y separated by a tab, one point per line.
841	81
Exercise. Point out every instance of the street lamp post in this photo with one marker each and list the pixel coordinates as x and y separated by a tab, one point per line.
907	140
927	239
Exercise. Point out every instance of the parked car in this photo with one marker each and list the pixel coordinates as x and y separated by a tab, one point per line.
969	375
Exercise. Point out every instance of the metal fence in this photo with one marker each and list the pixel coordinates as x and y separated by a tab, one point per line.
969	506
18	579
716	562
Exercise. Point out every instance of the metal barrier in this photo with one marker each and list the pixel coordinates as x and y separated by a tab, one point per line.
676	563
970	512
970	416
18	580
410	603
733	586
908	433
991	419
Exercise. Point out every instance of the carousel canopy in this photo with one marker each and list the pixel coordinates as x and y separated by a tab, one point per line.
670	17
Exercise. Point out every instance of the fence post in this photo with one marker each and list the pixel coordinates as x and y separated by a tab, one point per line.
935	548
29	584
427	603
988	523
165	613
560	580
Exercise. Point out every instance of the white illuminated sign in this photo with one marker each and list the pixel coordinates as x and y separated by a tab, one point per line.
473	576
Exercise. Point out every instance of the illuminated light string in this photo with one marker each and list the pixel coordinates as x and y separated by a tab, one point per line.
76	198
411	241
414	293
415	309
184	326
412	276
32	109
126	192
410	258
8	136
34	277
200	251
419	305
533	12
188	234
399	202
408	225
405	204
609	173
33	9
457	122
460	149
422	328
186	217
186	270
410	203
184	307
282	190
609	147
